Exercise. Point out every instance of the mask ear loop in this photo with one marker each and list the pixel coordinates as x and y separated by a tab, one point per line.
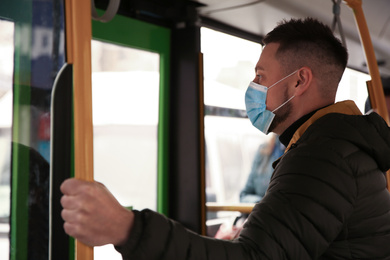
283	104
290	97
282	79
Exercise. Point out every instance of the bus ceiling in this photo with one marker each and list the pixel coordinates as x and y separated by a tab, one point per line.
252	19
260	16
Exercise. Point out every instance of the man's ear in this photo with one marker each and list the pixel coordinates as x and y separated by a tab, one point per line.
305	77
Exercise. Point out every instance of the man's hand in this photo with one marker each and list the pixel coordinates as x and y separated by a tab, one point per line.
92	214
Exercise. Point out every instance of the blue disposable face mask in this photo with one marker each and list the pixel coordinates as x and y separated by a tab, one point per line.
256	109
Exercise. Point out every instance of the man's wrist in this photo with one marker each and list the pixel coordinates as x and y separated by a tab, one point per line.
127	222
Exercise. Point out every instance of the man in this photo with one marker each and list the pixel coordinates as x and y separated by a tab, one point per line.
327	198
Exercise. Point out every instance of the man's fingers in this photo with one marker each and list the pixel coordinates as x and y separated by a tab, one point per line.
68	202
66	187
72	186
71	216
92	214
73	230
74	223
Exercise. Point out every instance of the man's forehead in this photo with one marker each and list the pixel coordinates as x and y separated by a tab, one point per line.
267	57
270	50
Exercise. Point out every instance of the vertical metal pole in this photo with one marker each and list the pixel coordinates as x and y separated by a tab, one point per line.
372	64
78	40
202	149
375	86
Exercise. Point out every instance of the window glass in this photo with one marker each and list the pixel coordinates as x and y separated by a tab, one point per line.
228	68
231	140
6	72
231	145
353	86
125	91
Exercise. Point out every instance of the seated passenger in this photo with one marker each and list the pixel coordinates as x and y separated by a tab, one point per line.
258	179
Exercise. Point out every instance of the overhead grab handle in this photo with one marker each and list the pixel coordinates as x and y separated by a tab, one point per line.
111	11
337	20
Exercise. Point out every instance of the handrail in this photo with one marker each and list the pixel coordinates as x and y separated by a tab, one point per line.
202	147
78	42
241	207
375	88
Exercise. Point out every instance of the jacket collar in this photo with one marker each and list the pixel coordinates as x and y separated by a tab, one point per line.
347	107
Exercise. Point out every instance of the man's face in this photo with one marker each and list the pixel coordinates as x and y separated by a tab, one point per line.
282	114
269	71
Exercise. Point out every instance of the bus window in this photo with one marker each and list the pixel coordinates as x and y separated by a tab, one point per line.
353	86
125	98
6	73
231	140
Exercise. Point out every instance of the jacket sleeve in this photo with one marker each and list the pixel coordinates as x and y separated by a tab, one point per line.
297	218
156	237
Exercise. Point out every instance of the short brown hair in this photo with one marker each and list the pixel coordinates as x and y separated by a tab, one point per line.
308	42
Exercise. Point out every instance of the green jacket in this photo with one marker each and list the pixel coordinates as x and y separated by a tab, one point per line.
327	199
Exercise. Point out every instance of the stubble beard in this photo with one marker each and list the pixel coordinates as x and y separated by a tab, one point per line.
281	114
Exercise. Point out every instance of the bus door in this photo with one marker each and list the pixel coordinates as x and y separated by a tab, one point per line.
32	50
130	63
130	97
129	94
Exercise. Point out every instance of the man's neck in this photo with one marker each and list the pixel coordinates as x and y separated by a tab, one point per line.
286	136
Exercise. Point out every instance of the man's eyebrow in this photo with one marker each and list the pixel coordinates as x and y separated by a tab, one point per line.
259	68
